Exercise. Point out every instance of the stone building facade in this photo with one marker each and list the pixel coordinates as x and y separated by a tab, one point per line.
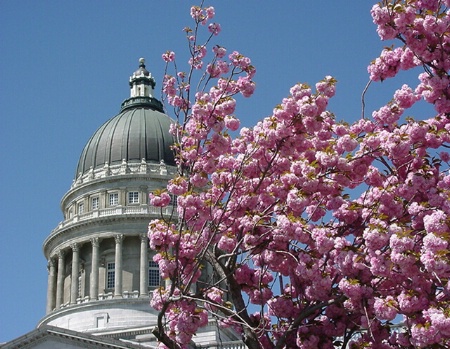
100	267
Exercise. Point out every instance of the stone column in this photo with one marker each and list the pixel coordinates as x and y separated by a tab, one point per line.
60	280
51	287
143	284
94	269
118	266
75	271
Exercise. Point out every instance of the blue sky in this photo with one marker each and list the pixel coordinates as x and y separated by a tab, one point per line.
64	70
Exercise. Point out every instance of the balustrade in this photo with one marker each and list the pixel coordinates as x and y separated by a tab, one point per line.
117	210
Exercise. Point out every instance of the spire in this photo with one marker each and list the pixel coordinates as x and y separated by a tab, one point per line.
141	82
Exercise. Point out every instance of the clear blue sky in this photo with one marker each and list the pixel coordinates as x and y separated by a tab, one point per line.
64	70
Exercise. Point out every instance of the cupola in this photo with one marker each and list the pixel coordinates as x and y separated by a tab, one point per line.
140	132
142	82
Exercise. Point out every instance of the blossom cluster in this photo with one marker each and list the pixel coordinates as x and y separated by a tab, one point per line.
331	230
422	28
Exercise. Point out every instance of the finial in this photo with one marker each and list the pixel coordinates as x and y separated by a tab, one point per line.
142	62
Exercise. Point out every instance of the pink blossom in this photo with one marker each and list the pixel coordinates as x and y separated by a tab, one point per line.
210	12
214	28
386	309
346	144
435	222
196	13
161	200
219	51
232	123
169	56
177	186
405	97
246	86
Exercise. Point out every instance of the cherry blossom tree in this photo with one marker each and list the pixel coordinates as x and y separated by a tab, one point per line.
305	232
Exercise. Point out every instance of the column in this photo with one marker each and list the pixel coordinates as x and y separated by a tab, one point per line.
75	271
94	269
143	285
118	266
51	287
60	280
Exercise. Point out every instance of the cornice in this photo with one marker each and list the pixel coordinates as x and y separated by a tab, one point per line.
51	243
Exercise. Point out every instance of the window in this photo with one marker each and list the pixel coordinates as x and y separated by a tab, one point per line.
133	197
110	275
95	203
100	322
80	208
101	319
79	285
113	199
153	274
173	200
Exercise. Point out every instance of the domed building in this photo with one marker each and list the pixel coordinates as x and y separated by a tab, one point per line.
100	267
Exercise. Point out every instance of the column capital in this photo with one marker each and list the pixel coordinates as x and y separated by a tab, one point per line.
75	247
61	254
51	263
95	242
144	237
118	238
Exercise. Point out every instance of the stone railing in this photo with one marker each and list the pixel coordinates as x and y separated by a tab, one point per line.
124	168
118	211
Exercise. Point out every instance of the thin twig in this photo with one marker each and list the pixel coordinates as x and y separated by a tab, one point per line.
363	102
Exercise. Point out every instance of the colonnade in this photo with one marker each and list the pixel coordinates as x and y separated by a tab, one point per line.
57	265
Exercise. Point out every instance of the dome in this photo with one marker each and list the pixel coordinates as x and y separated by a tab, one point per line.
142	71
138	132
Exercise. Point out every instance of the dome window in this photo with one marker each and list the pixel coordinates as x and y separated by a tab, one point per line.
95	203
113	199
133	197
